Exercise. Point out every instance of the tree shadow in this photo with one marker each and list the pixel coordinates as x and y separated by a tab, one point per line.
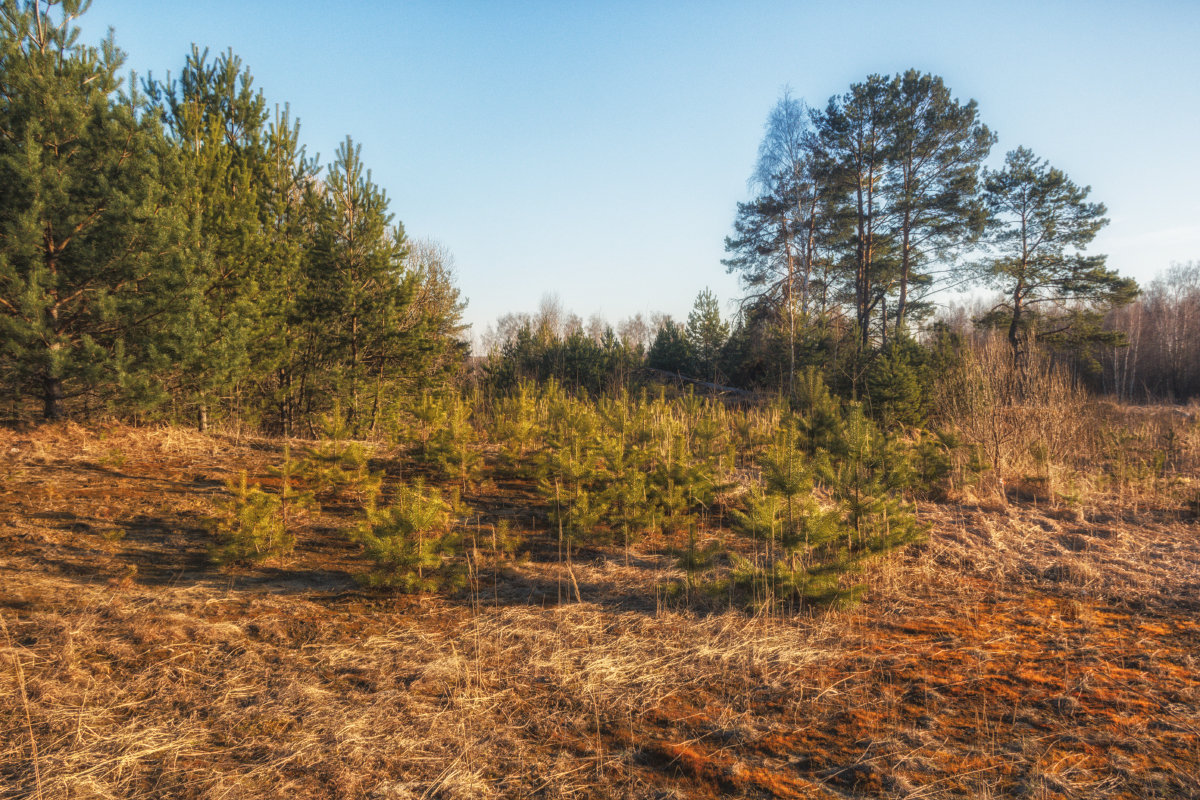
160	547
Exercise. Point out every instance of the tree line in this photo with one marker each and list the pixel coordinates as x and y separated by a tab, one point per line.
862	210
1161	329
168	247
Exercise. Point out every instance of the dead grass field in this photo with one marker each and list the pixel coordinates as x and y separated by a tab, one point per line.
1020	652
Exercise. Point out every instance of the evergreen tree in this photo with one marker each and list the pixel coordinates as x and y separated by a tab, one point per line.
1042	223
938	147
569	470
337	469
247	192
895	384
706	334
250	526
624	491
88	285
866	480
215	119
433	317
454	444
855	204
360	287
516	426
856	137
289	205
670	351
819	419
412	541
253	524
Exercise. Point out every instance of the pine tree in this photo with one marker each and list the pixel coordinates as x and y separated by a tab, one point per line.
412	542
337	468
624	491
217	122
804	558
855	203
289	204
679	485
937	150
255	525
569	473
454	444
1042	223
706	335
88	280
894	384
787	477
855	139
251	527
429	413
432	319
360	287
866	481
819	419
515	426
670	350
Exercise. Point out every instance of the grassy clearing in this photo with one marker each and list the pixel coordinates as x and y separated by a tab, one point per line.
1027	648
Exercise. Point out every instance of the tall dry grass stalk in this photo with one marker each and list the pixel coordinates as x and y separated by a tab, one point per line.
1029	418
20	675
1045	438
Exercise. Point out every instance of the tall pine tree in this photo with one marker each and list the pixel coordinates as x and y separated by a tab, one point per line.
360	286
938	147
217	121
1042	223
87	282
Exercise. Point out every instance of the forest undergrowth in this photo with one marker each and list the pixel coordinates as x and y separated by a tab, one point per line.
659	595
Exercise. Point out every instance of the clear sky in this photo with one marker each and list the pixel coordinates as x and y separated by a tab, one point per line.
597	150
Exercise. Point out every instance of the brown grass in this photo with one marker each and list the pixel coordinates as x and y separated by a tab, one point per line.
1047	441
1021	652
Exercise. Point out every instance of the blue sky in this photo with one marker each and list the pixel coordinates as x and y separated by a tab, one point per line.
597	150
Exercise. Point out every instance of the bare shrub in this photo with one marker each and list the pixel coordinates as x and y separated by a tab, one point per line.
1029	418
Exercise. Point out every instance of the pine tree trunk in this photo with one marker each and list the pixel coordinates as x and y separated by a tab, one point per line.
52	390
354	373
883	321
375	401
1014	330
905	268
52	397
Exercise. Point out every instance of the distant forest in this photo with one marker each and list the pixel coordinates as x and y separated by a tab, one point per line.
168	250
863	210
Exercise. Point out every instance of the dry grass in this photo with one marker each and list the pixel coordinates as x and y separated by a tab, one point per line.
1046	440
1022	652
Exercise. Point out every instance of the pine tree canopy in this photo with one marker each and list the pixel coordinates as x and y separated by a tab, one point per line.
1041	224
176	251
89	266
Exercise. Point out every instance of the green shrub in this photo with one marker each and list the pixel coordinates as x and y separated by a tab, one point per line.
412	542
337	469
254	524
250	527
